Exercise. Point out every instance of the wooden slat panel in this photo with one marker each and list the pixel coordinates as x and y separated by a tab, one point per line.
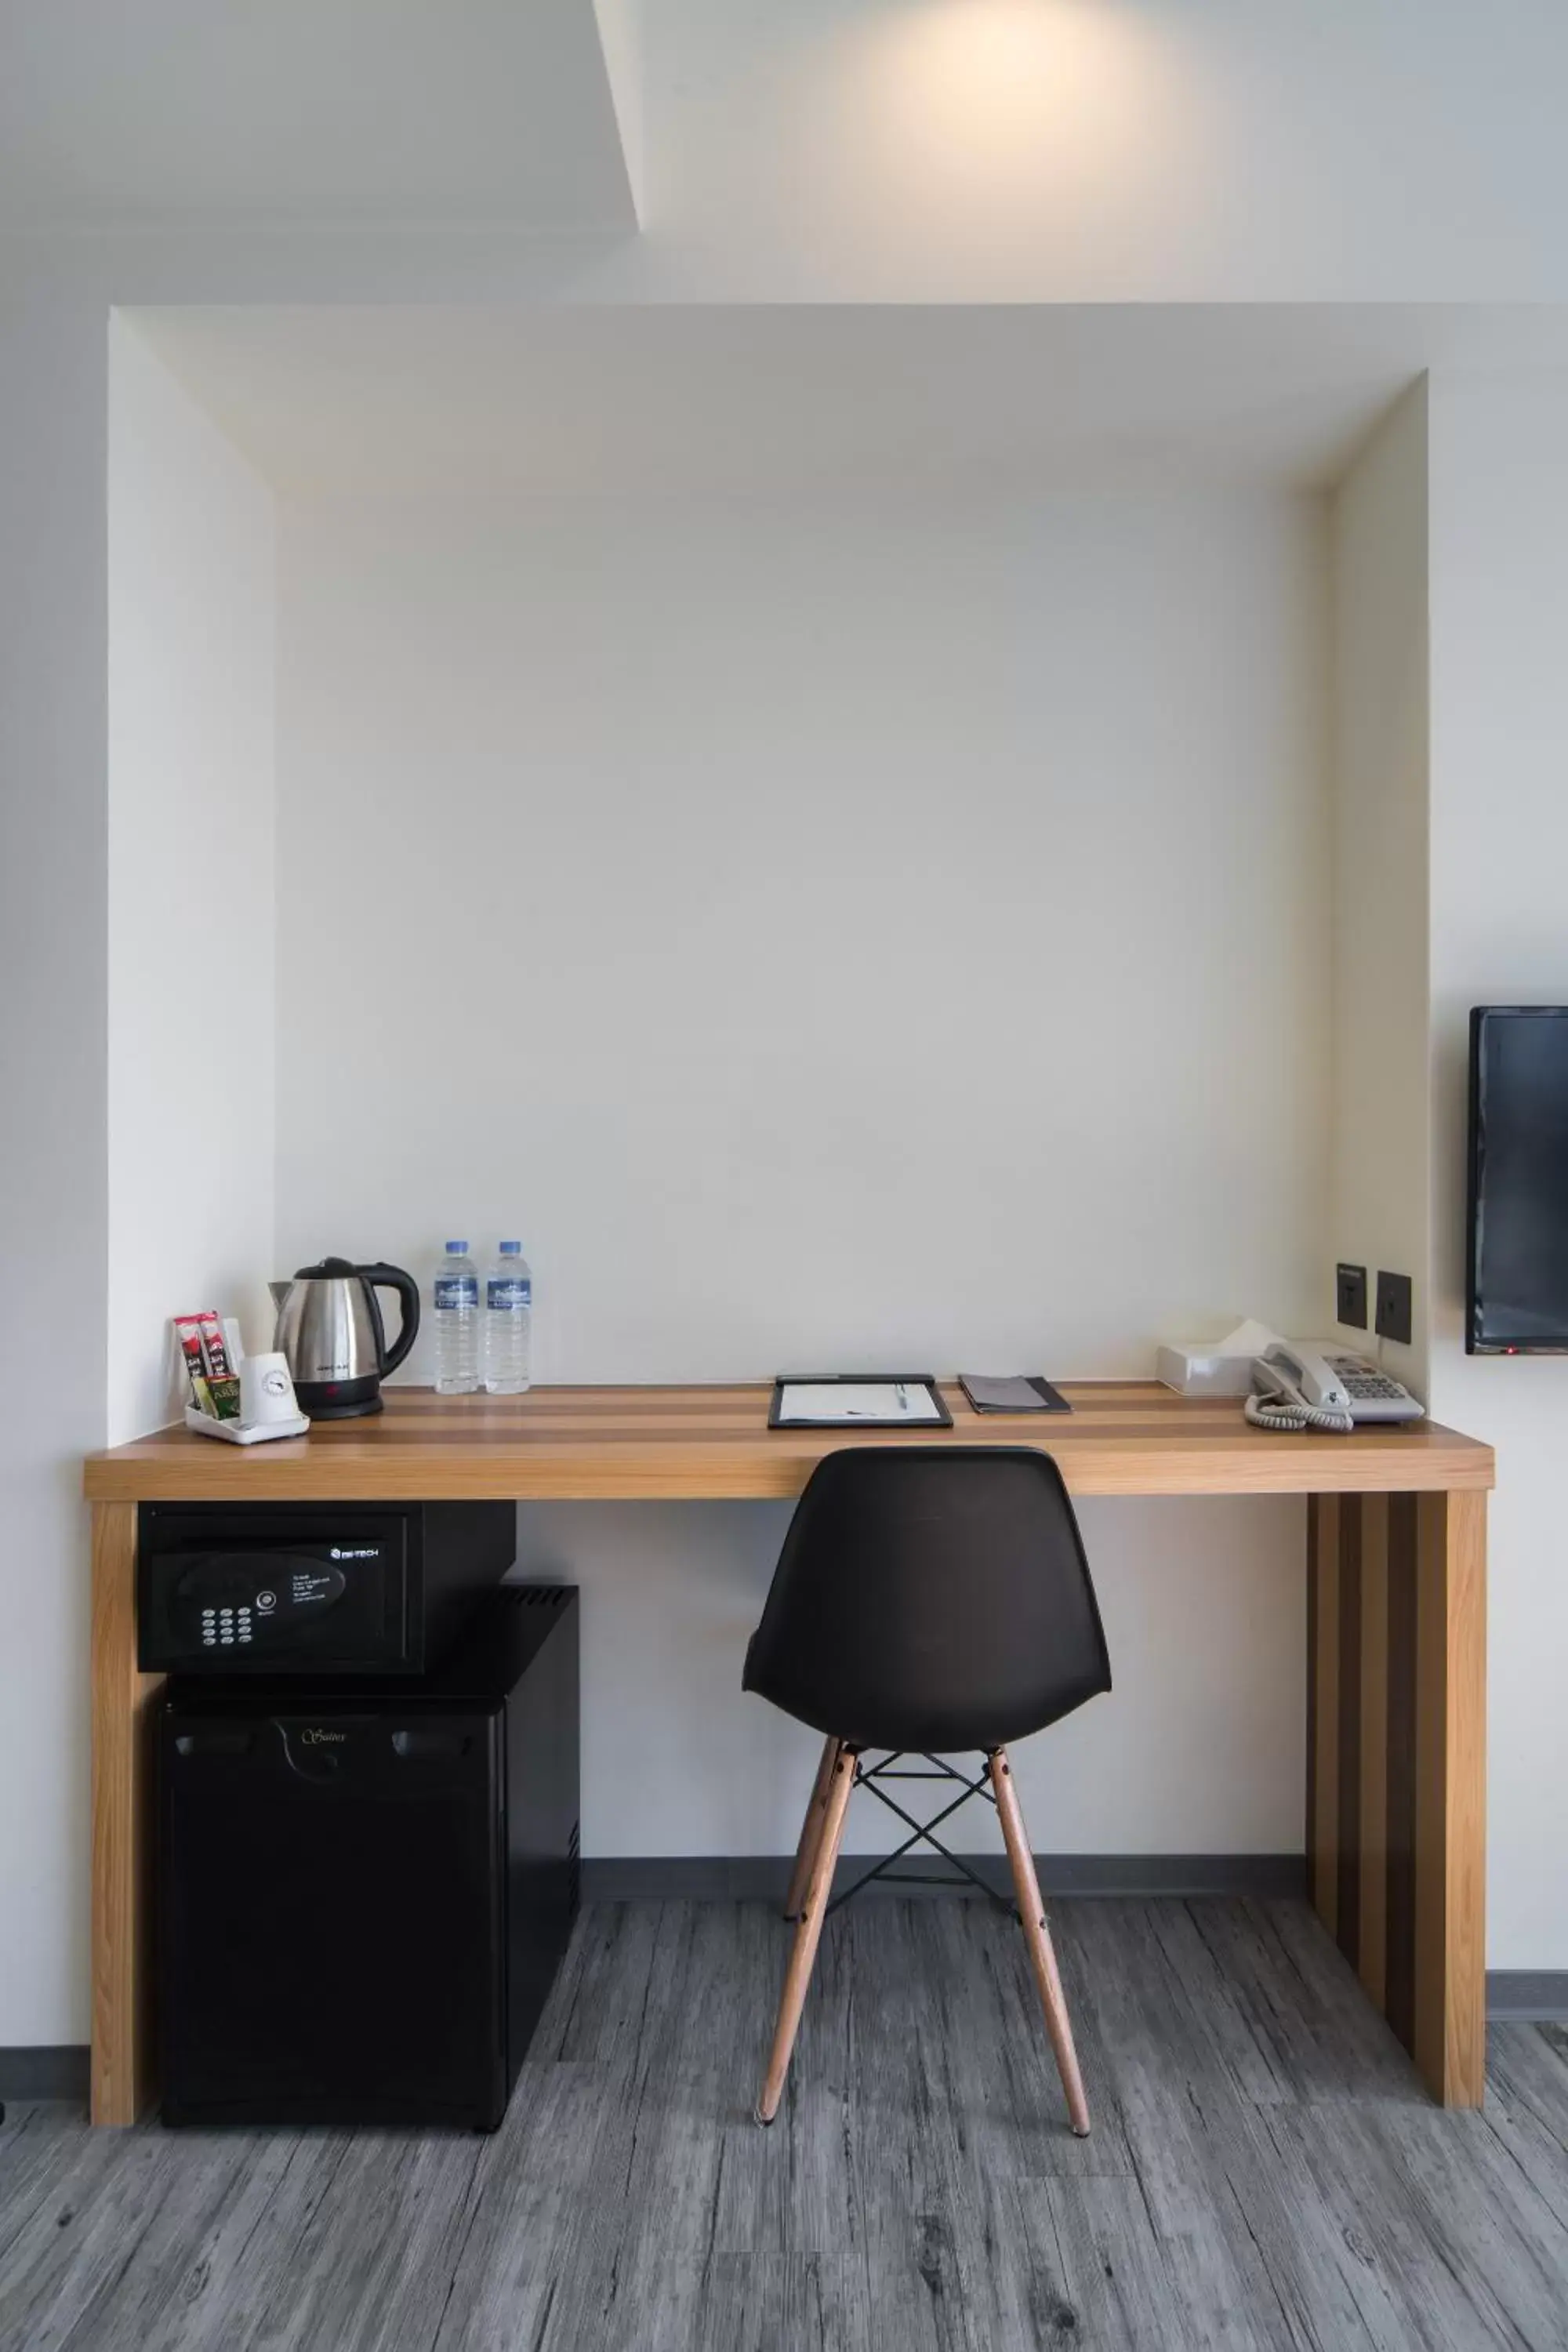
1325	1639
1347	1913
1399	1804
1314	1538
1450	1798
121	2078
1396	1765
1130	1437
1373	1750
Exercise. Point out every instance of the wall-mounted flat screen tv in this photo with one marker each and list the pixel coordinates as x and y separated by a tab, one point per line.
1518	1181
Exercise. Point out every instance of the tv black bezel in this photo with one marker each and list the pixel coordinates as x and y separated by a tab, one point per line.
1475	1343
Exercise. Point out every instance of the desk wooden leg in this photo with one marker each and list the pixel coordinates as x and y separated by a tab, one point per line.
121	2081
1396	1765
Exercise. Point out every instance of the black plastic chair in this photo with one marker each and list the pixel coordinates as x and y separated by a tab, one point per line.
928	1598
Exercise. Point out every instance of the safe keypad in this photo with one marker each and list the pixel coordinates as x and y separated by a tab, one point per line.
225	1629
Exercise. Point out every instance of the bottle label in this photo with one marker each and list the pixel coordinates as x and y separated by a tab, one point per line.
457	1290
505	1292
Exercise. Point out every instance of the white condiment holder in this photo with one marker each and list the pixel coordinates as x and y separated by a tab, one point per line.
243	1432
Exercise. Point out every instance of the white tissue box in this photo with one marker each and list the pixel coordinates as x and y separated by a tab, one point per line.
1214	1367
1203	1371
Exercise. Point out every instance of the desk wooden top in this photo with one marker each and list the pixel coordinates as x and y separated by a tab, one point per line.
1122	1437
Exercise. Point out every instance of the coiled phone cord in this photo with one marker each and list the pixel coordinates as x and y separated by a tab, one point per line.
1273	1413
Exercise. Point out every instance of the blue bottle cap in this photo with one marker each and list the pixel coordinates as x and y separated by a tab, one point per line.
456	1249
512	1249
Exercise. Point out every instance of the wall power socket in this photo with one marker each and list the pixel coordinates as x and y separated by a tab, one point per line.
1394	1307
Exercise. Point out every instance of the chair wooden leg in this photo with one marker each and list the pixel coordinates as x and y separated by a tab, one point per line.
810	1828
808	1931
1037	1936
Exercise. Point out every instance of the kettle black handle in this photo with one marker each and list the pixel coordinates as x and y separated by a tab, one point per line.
392	1278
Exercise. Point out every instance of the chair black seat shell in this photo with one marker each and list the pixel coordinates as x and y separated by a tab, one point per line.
930	1598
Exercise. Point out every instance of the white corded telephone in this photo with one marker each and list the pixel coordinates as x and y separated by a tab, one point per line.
1295	1387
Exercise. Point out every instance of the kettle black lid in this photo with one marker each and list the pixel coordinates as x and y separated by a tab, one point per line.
329	1268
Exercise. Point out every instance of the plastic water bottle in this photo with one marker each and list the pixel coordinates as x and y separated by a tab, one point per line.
508	1315
456	1297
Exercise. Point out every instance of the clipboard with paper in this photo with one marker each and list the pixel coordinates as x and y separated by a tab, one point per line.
858	1400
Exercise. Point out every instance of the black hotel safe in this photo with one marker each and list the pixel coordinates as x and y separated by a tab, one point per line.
312	1588
366	1885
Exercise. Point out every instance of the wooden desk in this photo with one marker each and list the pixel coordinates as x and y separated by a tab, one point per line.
1395	1807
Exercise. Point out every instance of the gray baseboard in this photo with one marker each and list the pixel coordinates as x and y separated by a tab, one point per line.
53	2071
1514	1996
750	1878
1528	1996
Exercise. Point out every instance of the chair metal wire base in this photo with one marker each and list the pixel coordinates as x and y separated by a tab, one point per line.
872	1777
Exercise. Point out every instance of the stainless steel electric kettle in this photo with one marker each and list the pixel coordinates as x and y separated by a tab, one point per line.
330	1329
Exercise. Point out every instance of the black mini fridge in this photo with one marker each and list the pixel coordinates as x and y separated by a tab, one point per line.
365	1888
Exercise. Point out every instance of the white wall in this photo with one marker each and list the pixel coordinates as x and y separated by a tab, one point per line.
1198	1748
822	935
192	599
1499	935
833	935
53	1225
1379	978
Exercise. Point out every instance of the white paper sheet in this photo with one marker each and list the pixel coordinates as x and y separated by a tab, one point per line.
858	1400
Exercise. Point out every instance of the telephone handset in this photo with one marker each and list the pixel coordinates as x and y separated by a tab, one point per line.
1295	1387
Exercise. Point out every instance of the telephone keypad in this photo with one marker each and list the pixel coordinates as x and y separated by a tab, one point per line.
1374	1395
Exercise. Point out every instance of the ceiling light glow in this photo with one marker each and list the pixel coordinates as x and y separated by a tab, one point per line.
974	119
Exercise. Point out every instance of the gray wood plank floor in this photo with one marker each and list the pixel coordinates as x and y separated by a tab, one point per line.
1265	2169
